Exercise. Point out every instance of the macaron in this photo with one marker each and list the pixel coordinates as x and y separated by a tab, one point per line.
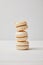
21	36
21	26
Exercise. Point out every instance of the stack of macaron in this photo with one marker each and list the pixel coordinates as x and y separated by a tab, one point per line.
21	36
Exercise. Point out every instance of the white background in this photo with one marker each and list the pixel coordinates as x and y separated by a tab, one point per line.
12	11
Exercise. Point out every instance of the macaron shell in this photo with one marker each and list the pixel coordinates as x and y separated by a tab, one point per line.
21	39
22	43
21	23
21	34
26	47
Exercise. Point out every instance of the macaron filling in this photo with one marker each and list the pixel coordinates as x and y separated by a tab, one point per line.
21	25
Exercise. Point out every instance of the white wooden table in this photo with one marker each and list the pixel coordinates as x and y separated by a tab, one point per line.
10	56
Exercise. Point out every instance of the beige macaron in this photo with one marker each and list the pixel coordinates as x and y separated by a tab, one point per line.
21	26
21	36
22	47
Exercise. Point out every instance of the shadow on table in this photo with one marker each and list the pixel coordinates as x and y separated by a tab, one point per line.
38	48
